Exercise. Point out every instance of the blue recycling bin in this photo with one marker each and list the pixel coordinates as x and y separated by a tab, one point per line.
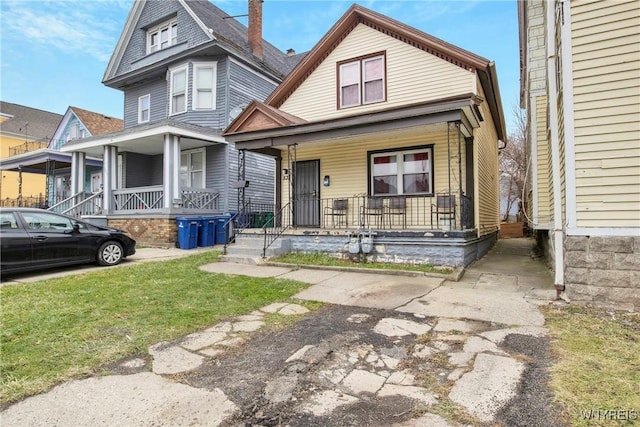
207	231
222	229
187	231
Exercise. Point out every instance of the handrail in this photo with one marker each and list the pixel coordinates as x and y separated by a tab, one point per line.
84	202
52	208
279	223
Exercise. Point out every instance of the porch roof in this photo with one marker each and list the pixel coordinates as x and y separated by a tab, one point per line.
148	139
42	161
460	108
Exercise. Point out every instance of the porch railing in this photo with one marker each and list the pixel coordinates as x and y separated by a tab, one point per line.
388	212
80	204
151	198
139	198
91	204
276	226
199	198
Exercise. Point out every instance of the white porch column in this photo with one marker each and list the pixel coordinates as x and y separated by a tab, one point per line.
78	169
109	176
171	169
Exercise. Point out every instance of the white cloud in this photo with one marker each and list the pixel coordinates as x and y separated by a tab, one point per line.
74	27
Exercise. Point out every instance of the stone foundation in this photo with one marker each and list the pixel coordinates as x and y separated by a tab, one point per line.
400	247
156	232
603	271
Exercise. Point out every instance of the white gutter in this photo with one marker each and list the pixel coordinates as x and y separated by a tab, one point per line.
555	150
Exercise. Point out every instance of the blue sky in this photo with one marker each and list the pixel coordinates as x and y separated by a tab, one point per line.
53	53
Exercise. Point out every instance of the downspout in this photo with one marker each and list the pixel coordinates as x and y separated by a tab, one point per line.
458	124
558	232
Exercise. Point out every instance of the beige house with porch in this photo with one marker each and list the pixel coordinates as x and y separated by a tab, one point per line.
384	138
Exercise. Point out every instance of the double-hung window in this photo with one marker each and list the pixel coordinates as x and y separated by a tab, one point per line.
204	85
362	81
179	81
162	36
402	172
192	168
144	108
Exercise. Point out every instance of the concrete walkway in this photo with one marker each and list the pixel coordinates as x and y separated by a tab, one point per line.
468	322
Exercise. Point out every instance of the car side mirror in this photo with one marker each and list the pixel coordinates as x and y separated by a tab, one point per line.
76	227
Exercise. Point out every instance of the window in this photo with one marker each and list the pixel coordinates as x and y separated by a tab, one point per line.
402	172
204	86
192	168
178	101
144	108
362	81
162	36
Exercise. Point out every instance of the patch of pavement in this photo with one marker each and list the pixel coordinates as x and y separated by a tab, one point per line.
508	308
143	399
489	386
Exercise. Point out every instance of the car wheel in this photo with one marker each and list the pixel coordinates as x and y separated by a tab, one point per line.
110	253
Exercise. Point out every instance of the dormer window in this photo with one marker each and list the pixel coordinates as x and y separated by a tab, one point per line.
162	36
362	80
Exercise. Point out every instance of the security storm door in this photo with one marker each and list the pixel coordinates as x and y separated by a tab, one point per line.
306	190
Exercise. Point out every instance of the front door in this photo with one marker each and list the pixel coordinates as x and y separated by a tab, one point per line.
96	182
306	193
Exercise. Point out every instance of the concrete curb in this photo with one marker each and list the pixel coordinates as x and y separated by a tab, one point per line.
455	276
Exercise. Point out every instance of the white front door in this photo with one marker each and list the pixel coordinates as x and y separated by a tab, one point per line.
96	182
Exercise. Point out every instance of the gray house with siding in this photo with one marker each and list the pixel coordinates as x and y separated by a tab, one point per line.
186	69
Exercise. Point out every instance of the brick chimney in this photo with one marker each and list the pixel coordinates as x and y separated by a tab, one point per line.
255	27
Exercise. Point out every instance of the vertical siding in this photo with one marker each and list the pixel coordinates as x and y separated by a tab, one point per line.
408	68
487	184
606	80
543	164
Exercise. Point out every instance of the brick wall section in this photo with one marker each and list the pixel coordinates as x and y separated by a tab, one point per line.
157	232
603	271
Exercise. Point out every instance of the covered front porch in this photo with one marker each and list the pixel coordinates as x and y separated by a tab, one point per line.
148	170
404	183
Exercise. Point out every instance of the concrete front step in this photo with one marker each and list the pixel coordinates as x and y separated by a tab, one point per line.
250	248
242	259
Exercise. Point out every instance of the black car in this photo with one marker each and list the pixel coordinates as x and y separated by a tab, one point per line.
35	238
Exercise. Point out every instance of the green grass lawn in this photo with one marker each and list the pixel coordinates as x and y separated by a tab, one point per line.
318	258
597	371
65	328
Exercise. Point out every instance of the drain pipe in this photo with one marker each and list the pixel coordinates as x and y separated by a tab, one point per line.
558	231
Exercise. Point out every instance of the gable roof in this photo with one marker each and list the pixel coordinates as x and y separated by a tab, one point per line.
258	115
41	124
356	15
220	28
96	123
